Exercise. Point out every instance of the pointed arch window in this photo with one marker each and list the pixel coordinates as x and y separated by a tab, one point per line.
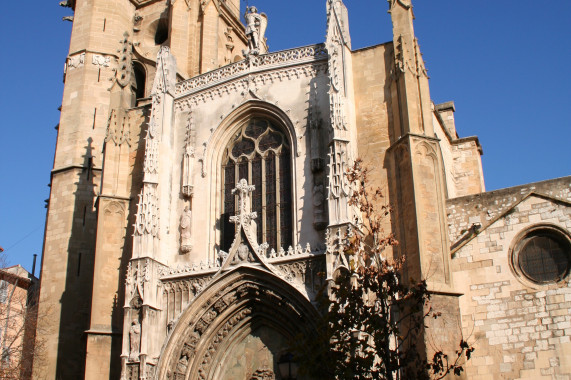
259	152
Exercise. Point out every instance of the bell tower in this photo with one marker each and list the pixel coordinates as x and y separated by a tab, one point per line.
108	76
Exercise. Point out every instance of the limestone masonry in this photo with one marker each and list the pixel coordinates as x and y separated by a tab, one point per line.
198	192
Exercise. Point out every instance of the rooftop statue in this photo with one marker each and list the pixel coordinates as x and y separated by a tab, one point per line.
256	24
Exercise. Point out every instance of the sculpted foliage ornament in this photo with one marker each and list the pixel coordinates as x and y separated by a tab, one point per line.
101	60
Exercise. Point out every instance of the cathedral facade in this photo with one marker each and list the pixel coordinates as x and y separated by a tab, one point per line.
198	200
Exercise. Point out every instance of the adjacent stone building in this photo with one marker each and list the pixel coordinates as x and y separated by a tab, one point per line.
198	192
18	317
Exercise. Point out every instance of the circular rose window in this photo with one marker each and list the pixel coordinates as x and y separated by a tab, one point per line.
543	255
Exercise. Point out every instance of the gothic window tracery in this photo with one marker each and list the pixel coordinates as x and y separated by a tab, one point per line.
259	152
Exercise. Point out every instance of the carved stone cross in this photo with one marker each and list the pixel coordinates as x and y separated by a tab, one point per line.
244	216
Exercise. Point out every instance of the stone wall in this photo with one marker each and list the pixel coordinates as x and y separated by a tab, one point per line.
462	156
484	208
520	329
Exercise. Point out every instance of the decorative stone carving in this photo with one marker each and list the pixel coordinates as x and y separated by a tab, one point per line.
256	24
100	60
336	241
243	255
263	374
185	103
315	135
229	45
132	371
76	61
222	256
123	71
150	370
254	64
319	216
244	216
337	106
185	231
403	3
307	274
134	340
137	18
208	266
188	159
291	252
118	130
407	60
178	293
420	67
147	220
165	76
219	338
339	187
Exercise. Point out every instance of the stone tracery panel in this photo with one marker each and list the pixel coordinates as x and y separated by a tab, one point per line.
259	153
306	53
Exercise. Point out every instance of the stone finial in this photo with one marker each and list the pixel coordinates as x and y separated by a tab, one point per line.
165	77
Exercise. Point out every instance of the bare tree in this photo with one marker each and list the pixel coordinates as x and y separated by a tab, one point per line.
374	321
18	320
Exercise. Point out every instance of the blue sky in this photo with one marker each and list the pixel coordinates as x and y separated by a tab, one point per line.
504	63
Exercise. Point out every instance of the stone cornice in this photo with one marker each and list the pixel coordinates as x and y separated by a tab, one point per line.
243	83
255	64
210	269
72	167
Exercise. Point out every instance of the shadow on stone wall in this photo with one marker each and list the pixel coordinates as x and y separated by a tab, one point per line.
76	298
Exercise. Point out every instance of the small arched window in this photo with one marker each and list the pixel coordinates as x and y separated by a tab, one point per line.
259	152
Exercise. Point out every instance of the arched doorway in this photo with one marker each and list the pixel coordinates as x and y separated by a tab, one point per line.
237	328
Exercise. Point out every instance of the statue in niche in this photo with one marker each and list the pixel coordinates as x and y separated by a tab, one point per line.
315	149
319	221
182	365
185	233
134	340
256	24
